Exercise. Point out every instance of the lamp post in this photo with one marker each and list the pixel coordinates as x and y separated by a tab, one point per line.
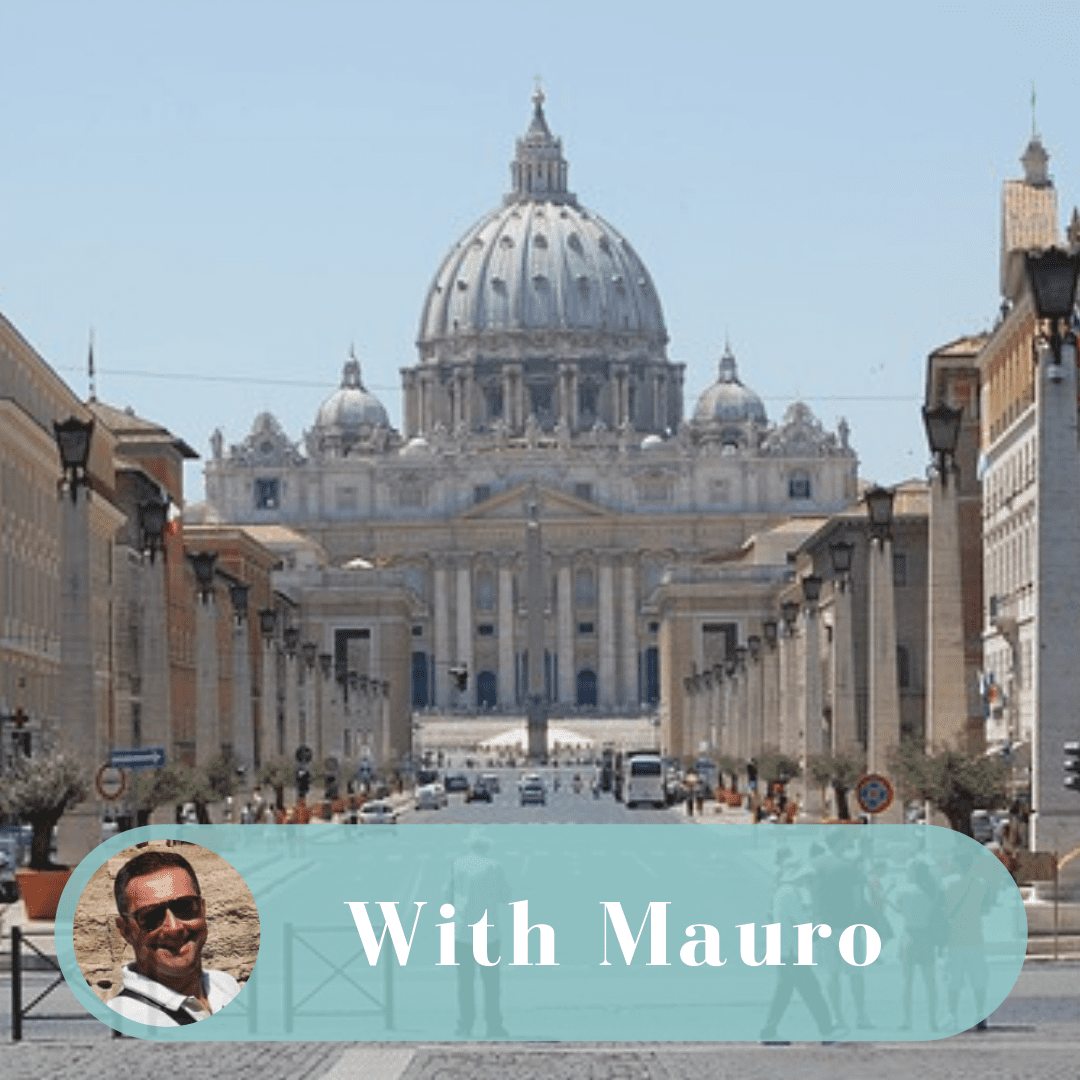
844	737
78	708
207	666
770	686
1056	684
741	704
156	715
309	734
789	702
243	724
946	691
270	732
755	691
812	741
883	721
290	639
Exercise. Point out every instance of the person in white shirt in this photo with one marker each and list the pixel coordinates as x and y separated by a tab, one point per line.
162	916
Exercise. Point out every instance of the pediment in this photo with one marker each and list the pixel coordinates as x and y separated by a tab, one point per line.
552	504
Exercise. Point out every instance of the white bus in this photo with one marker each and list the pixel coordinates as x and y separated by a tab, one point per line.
643	780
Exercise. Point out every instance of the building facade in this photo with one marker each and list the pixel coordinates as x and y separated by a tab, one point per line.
542	380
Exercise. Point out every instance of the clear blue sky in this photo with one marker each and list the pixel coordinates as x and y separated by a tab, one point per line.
240	190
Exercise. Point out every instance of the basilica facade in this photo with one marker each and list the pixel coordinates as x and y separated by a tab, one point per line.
542	381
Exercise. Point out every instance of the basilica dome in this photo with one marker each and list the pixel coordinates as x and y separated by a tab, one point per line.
351	406
541	262
728	400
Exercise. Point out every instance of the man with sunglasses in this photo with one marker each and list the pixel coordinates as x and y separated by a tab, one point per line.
163	918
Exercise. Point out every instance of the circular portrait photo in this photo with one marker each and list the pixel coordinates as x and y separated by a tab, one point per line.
166	933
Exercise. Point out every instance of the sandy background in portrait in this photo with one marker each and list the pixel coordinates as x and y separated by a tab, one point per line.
232	943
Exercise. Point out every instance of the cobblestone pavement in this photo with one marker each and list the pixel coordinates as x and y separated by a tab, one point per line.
112	1058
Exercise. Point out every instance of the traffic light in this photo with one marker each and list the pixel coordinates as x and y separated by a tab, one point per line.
1072	765
460	675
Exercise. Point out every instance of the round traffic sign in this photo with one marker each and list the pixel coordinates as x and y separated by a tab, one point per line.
110	782
303	755
875	793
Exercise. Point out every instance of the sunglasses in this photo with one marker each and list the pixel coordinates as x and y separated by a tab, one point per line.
185	908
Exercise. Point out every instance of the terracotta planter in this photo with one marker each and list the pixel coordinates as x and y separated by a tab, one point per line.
41	890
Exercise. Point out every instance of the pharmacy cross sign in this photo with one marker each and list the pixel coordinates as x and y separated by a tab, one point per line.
875	793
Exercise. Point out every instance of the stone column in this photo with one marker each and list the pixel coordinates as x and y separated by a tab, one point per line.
269	736
770	693
946	693
78	715
788	693
755	678
606	633
883	732
507	621
292	694
565	632
207	726
813	744
243	732
1055	825
155	668
408	408
628	637
464	651
845	734
442	658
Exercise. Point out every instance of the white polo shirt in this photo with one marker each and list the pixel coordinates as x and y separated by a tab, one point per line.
218	987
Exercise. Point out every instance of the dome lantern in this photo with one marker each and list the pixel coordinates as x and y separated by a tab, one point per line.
539	169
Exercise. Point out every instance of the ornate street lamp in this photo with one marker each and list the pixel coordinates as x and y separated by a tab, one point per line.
753	642
203	562
73	440
771	630
811	588
789	611
942	425
238	594
879	505
291	638
1053	276
267	622
841	553
740	657
326	661
153	514
309	651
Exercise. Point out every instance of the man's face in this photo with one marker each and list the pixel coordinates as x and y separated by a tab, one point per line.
171	952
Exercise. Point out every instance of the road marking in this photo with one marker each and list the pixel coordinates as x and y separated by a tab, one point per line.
371	1063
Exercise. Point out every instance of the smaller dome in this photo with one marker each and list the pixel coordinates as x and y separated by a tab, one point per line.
415	447
351	407
651	442
727	400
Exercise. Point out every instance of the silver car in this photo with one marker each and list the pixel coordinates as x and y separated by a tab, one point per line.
377	813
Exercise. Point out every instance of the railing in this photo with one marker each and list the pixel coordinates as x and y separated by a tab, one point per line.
20	1012
297	936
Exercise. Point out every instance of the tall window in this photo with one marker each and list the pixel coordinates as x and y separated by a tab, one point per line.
267	493
799	485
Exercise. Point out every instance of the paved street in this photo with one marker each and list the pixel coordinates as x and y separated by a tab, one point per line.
1035	1034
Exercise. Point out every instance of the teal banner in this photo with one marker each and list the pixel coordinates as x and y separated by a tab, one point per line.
547	932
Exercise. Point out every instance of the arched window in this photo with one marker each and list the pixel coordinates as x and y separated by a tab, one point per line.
485	591
585	588
652	675
586	687
487	690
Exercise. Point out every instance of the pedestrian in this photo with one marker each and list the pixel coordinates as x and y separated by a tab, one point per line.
478	890
965	892
793	904
916	903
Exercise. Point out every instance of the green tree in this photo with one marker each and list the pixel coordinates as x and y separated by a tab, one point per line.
278	773
38	790
774	767
731	766
837	771
152	788
952	782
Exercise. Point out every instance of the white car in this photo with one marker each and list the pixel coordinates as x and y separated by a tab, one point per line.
377	813
430	797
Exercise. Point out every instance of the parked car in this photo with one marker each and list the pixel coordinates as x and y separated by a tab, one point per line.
479	792
491	782
532	791
982	828
457	782
377	813
430	797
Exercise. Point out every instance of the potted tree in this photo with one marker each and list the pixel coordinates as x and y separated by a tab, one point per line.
38	791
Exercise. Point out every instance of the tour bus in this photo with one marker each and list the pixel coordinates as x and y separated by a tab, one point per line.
643	779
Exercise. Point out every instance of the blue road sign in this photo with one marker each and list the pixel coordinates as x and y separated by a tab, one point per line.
138	757
875	793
